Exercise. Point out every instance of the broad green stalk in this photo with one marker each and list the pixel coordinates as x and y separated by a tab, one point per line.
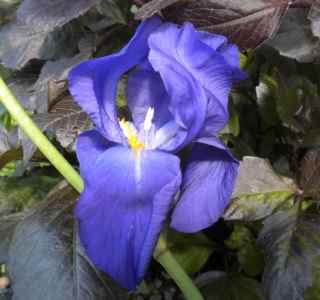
162	253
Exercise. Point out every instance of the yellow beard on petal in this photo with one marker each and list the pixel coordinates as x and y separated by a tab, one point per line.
131	135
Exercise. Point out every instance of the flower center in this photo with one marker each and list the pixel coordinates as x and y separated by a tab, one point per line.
132	134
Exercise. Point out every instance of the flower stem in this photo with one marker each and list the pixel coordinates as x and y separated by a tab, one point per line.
164	257
38	138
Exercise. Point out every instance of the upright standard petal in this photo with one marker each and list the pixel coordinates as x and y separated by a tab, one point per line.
216	118
207	185
145	89
198	70
93	83
184	46
230	52
188	100
123	207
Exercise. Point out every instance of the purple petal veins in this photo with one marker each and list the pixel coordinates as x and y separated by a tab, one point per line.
179	80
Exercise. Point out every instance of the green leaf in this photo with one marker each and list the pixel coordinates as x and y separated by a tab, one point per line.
292	243
7	227
251	259
288	99
311	138
233	126
4	72
287	95
114	10
9	161
18	193
249	255
190	250
121	93
313	293
266	101
7	9
259	191
221	286
46	260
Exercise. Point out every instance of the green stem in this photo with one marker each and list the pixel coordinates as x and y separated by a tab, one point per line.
38	138
164	257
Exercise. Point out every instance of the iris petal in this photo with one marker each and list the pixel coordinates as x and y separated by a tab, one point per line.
214	41
231	54
123	207
188	99
90	145
198	70
145	89
207	185
93	83
216	118
206	65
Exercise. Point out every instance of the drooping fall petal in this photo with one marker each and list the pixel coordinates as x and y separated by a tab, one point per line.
123	208
207	185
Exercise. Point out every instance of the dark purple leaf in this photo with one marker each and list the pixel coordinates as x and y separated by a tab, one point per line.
314	17
221	286
46	259
291	243
65	121
152	7
295	38
53	78
7	227
48	15
246	23
310	174
21	43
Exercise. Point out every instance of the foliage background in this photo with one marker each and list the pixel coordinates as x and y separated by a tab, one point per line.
267	244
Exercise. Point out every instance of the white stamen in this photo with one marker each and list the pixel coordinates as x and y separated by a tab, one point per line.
128	128
147	124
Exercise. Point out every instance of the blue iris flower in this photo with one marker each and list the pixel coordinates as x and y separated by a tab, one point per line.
177	93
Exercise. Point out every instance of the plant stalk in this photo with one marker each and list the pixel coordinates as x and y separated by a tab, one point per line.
38	138
167	260
164	257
